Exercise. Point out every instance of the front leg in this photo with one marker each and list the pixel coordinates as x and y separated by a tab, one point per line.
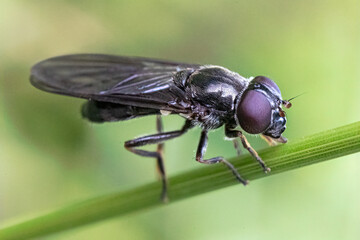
237	146
231	133
200	157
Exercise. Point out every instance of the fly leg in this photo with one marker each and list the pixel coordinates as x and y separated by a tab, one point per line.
237	146
201	152
230	133
160	160
271	142
158	138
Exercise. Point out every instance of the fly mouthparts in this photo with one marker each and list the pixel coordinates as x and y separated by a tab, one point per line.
281	139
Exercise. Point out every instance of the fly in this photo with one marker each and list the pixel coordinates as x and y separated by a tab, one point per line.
121	88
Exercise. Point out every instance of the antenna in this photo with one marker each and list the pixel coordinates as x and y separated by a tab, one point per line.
287	103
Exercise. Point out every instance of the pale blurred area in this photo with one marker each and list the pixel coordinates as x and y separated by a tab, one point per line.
50	157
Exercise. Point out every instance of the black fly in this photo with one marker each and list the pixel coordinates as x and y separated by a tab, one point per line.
121	88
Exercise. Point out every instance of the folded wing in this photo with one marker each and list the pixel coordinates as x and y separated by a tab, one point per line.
132	81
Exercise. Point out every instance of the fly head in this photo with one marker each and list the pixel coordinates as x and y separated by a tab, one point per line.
259	109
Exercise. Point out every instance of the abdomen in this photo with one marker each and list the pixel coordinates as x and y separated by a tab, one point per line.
99	112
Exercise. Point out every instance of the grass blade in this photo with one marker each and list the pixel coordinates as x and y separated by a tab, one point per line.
309	150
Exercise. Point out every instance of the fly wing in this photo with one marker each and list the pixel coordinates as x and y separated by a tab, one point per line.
135	81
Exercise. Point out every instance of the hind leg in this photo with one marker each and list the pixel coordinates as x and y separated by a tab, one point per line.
158	139
160	160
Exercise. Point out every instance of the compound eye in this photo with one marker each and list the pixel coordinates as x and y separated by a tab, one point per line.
267	82
254	112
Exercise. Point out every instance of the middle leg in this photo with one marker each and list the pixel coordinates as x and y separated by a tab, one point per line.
200	157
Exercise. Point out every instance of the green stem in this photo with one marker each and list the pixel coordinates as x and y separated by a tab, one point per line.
313	149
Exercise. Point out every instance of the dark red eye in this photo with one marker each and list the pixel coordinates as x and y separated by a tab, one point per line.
267	82
254	112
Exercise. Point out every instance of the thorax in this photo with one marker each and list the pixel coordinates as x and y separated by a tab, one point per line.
213	91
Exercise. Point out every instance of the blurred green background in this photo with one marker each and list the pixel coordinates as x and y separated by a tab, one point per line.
50	157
